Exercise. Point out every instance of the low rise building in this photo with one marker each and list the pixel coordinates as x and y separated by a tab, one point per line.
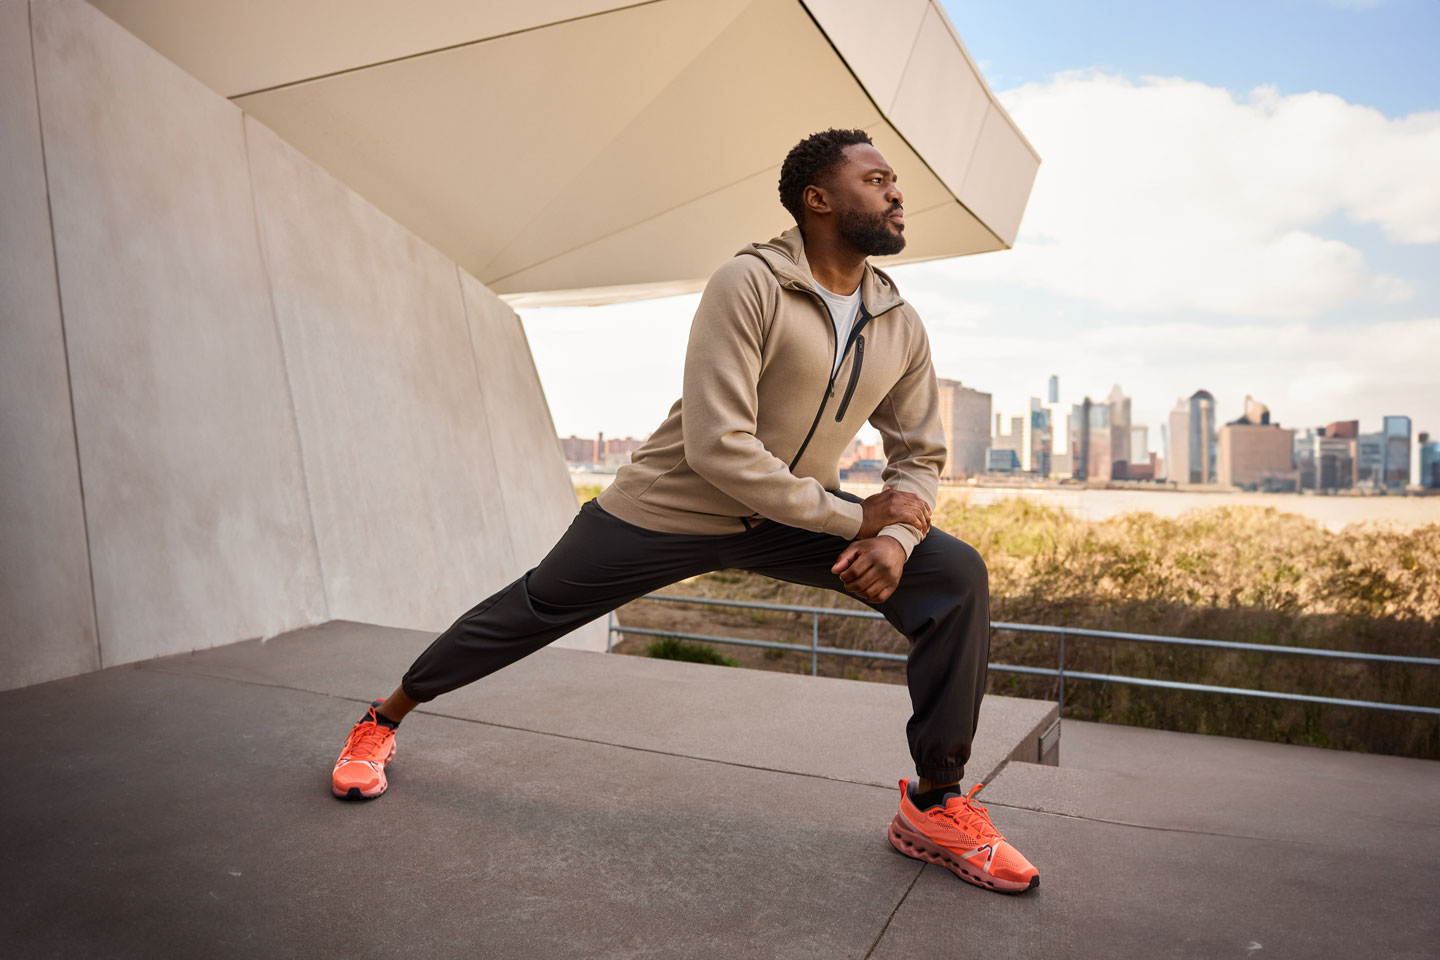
1256	454
1003	462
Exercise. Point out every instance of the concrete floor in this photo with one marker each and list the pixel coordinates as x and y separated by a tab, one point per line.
584	805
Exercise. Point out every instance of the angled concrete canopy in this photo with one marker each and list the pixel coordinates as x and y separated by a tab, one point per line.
585	151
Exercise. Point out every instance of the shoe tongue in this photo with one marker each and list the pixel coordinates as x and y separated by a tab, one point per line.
945	798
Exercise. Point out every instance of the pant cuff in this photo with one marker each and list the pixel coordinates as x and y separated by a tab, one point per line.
941	774
405	688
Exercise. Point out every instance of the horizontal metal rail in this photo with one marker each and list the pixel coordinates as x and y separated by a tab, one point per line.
1061	673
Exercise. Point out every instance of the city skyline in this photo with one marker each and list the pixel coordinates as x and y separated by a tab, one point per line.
1262	220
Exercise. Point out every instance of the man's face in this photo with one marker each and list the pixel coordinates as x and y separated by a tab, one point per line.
867	202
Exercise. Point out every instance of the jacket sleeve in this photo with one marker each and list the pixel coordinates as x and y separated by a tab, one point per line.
722	369
909	423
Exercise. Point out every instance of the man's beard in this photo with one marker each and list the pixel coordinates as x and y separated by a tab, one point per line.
870	235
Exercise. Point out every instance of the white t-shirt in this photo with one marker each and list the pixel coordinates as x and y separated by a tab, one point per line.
843	311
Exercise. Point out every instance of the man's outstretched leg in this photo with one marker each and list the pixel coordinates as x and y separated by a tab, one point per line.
600	563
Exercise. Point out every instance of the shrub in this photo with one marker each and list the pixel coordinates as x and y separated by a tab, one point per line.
673	648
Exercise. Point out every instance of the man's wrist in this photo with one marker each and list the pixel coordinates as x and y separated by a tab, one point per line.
901	534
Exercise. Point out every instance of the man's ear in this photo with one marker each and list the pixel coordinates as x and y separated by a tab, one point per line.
815	200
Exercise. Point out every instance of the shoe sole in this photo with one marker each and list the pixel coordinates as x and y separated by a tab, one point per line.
909	840
355	793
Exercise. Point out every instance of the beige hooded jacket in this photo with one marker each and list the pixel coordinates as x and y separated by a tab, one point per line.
761	423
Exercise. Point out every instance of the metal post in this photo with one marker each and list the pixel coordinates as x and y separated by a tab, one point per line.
1062	673
814	644
609	631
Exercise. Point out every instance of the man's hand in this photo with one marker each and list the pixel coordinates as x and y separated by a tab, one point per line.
893	506
871	568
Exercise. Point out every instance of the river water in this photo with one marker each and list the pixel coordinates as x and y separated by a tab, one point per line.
1333	512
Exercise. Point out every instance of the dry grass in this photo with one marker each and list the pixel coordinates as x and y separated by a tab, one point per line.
1226	573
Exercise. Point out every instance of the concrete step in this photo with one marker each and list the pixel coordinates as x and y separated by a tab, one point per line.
1223	785
818	726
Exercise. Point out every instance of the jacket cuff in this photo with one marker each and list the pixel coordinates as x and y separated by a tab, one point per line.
903	533
848	517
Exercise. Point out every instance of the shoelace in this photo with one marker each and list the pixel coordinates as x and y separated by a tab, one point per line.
969	814
366	740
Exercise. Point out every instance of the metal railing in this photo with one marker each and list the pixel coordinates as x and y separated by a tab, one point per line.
1058	672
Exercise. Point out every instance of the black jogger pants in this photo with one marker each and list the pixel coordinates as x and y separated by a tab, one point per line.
942	604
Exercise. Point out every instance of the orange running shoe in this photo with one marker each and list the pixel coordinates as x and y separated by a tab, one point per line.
360	771
960	837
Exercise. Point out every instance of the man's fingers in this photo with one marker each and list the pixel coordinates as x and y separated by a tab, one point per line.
847	557
866	579
857	569
875	592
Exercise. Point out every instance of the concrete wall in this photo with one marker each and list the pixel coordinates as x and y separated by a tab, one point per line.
277	410
48	618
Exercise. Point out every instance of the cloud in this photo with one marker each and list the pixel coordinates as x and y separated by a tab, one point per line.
613	369
1169	195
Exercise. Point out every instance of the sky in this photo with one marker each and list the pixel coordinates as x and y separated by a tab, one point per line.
1239	197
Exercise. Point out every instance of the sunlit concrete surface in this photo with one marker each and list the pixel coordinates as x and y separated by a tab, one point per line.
582	151
580	805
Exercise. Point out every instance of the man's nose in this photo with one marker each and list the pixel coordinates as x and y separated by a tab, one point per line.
894	195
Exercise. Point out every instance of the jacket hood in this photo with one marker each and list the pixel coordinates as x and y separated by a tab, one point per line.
786	256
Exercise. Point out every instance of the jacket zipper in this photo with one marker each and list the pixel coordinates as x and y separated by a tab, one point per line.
863	319
854	378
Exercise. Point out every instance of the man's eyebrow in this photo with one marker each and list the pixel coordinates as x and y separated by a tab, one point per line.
893	175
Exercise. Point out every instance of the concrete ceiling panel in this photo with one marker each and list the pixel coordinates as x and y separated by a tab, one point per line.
1002	171
578	124
941	103
875	39
237	48
464	147
708	223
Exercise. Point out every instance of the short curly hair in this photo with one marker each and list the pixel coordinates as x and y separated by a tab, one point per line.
810	160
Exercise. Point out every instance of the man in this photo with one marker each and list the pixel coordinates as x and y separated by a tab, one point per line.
795	344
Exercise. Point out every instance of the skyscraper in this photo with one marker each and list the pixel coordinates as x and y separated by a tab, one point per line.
1192	439
1054	393
1177	451
1202	437
1370	460
1139	444
1395	469
1091	441
1119	416
1429	463
1079	424
1325	458
965	419
1042	438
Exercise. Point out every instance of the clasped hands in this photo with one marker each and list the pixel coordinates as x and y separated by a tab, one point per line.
870	565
